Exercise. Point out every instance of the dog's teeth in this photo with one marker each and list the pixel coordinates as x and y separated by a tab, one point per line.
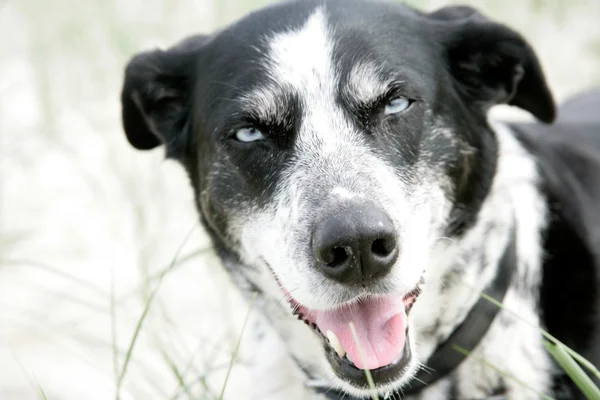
336	344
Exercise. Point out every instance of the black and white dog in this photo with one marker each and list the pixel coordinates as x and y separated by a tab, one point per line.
343	162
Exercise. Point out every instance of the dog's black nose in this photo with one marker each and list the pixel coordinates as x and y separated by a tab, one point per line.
356	245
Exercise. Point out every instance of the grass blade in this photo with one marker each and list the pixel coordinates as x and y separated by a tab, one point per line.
142	318
176	372
136	332
202	381
467	353
237	346
40	388
362	356
32	263
113	331
578	357
157	276
31	378
571	368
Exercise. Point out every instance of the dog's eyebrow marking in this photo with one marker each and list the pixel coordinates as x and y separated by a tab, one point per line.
261	102
366	82
269	103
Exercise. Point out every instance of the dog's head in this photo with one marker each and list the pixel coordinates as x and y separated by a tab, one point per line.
330	145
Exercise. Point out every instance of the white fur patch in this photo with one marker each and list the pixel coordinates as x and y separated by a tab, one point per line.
301	61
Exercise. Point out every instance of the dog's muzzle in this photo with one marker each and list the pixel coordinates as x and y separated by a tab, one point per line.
356	244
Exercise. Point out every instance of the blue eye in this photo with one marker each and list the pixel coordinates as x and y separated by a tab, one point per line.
247	135
397	105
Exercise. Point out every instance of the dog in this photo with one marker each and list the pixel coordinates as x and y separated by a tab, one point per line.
347	172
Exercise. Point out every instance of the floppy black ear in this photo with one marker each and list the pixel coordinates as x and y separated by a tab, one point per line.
156	96
491	63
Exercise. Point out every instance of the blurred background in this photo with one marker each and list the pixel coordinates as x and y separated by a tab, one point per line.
94	234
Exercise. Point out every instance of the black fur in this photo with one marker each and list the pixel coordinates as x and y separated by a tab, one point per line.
568	154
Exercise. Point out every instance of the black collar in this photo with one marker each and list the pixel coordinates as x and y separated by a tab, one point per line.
467	335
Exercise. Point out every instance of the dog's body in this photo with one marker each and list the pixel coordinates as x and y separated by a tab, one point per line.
343	162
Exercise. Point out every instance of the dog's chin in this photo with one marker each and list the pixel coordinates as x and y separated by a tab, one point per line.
370	333
387	377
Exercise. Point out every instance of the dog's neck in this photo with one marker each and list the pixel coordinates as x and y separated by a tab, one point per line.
461	269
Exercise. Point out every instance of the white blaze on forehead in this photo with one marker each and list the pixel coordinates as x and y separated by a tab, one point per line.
302	58
301	61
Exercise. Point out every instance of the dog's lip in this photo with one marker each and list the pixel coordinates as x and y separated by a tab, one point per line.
303	313
298	308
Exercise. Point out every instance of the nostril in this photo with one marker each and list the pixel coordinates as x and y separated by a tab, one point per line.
382	247
337	256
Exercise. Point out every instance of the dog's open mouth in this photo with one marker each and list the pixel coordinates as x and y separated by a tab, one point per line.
380	343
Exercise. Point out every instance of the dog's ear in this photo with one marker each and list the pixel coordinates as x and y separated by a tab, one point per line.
491	63
156	96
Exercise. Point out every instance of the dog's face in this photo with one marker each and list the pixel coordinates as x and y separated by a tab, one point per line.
331	144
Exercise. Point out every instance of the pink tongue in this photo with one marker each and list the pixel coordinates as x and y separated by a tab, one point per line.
380	326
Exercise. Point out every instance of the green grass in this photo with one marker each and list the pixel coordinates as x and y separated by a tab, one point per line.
564	358
144	314
568	359
551	339
505	374
40	389
237	347
31	378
